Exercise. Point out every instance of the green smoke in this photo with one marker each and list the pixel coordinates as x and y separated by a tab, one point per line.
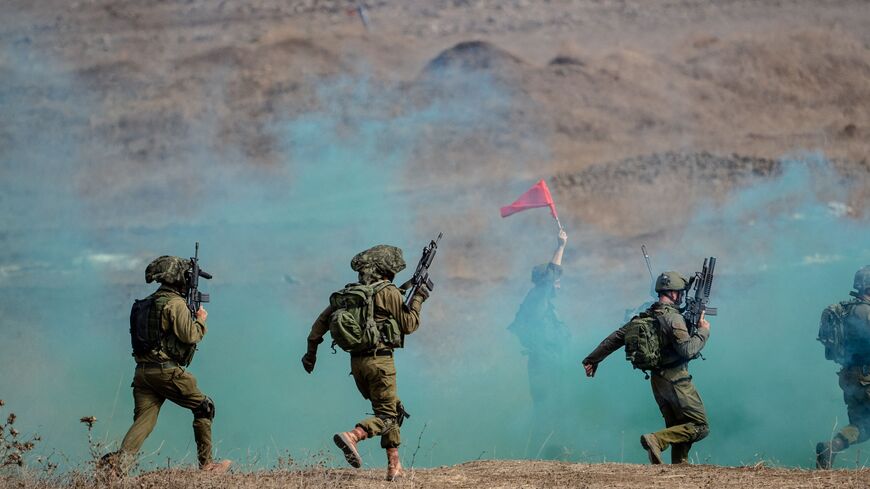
279	239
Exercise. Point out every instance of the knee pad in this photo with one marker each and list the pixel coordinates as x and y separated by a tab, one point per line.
205	410
701	432
391	421
839	443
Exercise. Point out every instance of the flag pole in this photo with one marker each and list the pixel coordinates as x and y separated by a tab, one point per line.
558	223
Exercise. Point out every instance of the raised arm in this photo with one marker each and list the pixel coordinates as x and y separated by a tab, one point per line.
390	300
688	346
560	247
184	327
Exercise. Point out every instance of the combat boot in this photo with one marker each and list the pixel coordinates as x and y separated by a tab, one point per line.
110	465
650	443
347	442
217	467
394	464
827	450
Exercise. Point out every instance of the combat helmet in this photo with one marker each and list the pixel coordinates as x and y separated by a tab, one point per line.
862	279
385	259
671	281
167	270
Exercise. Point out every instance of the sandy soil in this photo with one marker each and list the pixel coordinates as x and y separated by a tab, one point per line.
591	82
605	96
502	474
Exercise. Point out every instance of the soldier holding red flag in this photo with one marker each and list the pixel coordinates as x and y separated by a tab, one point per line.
537	326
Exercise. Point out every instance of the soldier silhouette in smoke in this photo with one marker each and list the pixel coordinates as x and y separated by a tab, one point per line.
544	339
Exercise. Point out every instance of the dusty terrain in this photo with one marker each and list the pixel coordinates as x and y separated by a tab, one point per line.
500	474
150	84
602	97
491	474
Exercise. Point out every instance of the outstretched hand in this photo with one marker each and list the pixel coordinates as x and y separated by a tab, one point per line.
563	237
308	361
590	369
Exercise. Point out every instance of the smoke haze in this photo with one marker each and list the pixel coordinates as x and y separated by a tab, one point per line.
364	166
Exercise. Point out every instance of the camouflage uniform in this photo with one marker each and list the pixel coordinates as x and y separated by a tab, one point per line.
543	335
160	374
854	378
374	371
678	401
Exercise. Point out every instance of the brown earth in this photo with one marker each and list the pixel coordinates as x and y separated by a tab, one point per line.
502	474
592	82
608	96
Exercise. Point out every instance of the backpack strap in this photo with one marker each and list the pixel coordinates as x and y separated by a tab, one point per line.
370	308
379	286
854	302
849	305
376	287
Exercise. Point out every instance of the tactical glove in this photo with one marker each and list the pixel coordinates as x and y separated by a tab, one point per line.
589	363
423	292
310	357
420	296
308	361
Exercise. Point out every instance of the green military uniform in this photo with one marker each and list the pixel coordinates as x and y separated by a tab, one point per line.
375	372
543	335
384	327
676	396
854	378
160	374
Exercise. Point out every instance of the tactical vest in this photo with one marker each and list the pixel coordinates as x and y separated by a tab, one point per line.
352	323
149	335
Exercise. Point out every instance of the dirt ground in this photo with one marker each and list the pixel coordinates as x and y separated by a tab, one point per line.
502	474
591	82
606	97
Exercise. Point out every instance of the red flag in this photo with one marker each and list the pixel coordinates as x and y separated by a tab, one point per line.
537	196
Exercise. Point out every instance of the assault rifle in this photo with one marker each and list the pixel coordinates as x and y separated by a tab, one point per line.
421	274
696	304
194	297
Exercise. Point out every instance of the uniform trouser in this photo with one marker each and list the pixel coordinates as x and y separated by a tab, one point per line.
683	410
376	380
153	386
855	382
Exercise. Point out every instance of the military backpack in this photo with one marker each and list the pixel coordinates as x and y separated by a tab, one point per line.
643	341
352	323
832	331
147	335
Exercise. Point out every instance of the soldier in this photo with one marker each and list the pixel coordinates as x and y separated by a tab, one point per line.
160	364
542	333
854	356
372	367
679	402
